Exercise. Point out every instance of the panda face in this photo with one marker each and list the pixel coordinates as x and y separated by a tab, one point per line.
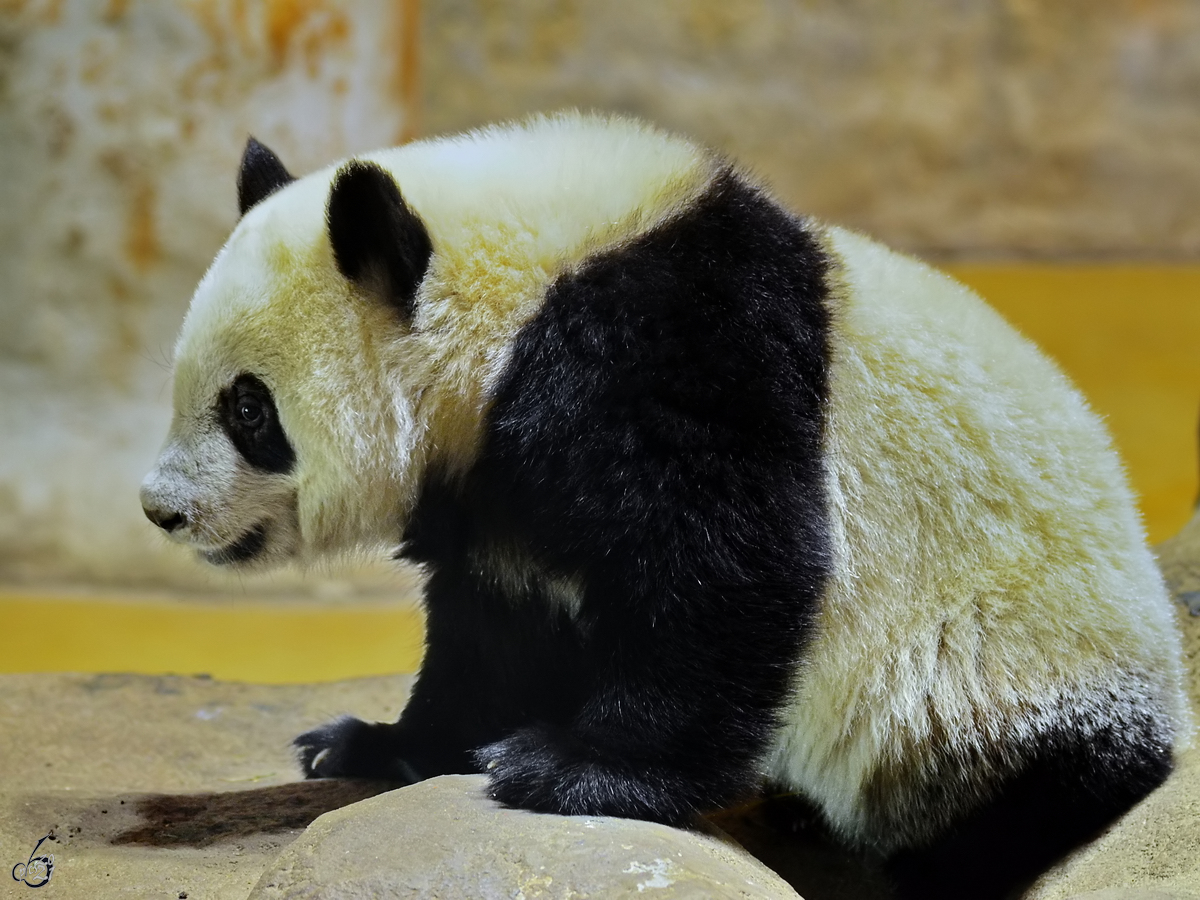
286	400
223	484
347	337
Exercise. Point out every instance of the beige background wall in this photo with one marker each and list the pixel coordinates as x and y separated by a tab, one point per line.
970	129
948	127
121	125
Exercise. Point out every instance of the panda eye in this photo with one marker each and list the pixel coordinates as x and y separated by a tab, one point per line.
247	413
250	412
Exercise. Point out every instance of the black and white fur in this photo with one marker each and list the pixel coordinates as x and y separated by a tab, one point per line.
708	495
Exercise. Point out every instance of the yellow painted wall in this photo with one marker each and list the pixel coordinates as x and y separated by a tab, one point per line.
268	643
1128	336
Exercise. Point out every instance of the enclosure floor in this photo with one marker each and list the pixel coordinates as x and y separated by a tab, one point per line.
1129	336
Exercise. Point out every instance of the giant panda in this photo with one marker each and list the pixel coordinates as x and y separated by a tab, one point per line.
709	495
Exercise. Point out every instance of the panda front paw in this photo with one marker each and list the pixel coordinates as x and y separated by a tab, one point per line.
526	771
351	748
556	772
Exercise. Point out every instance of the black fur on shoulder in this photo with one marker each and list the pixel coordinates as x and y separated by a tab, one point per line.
659	432
656	441
260	175
378	242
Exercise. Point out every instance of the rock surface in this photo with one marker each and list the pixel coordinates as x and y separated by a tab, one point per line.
169	786
1179	559
1129	894
157	787
444	839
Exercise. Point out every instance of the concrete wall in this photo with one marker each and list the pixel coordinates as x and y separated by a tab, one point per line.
954	128
121	125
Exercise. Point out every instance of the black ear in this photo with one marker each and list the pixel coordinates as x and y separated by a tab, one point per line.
261	175
377	240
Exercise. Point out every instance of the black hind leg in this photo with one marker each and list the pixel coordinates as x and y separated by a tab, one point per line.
1069	791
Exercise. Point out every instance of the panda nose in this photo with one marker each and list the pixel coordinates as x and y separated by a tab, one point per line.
167	521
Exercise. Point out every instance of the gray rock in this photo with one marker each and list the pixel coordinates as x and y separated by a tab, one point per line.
443	838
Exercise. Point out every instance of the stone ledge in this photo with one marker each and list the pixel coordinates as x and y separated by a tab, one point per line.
444	838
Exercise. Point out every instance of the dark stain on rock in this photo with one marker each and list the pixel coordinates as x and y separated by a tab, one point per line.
108	681
115	681
199	820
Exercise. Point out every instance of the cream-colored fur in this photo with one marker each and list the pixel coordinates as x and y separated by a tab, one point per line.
992	582
368	402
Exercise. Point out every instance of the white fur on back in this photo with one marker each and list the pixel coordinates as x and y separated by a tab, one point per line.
992	578
566	185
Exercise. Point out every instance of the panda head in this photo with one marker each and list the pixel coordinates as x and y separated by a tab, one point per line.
294	435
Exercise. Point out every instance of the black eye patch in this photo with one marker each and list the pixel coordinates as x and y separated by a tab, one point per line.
247	412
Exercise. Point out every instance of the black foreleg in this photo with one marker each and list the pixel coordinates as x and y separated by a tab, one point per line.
680	712
492	664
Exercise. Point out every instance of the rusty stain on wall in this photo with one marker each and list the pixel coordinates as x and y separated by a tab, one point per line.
283	19
333	29
408	66
47	12
60	129
272	30
308	23
116	10
141	238
126	340
209	18
713	26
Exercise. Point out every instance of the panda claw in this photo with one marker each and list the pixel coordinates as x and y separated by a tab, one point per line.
351	748
552	771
